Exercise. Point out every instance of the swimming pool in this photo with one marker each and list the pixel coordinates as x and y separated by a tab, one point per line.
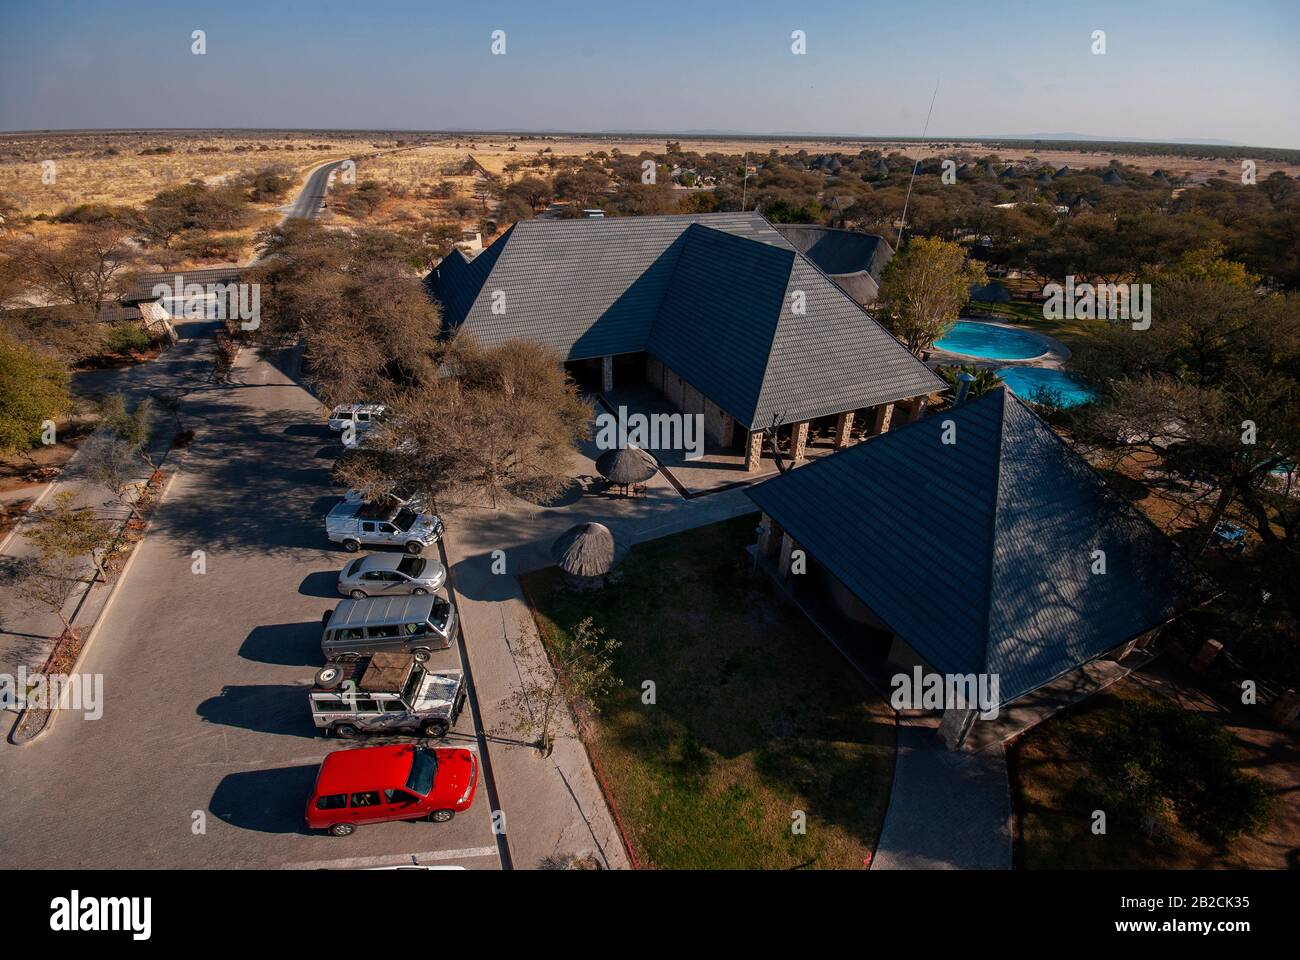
973	339
1025	381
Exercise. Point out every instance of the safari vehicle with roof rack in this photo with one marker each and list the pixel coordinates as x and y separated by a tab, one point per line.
386	693
384	522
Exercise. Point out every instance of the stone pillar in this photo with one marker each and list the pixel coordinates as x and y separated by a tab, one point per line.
843	430
754	451
955	726
798	440
772	530
606	374
725	429
787	552
883	414
918	407
1205	656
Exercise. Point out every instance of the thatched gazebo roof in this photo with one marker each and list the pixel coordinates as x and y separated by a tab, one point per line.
586	550
626	465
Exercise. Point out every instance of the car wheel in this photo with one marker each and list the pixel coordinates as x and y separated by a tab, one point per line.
434	729
420	591
345	731
357	594
351	546
342	829
414	546
421	654
442	816
329	677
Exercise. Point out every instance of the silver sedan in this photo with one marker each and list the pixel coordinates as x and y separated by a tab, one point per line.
390	574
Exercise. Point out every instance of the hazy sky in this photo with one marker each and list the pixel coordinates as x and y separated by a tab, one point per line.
1186	70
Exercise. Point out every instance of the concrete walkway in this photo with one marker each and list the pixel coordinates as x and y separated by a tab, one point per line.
947	811
555	807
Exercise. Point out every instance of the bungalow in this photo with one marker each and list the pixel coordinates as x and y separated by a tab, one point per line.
974	542
722	313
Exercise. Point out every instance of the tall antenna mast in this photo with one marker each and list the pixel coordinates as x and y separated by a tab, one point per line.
902	223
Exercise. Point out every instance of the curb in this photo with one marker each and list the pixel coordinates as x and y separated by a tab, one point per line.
94	627
13	532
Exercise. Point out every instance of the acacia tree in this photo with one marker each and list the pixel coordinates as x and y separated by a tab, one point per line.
318	284
923	289
33	390
580	666
84	270
66	530
1211	393
500	420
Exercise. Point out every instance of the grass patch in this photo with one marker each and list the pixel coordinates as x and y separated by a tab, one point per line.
1170	781
756	715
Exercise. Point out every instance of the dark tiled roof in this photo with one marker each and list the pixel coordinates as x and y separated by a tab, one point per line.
978	554
708	294
142	286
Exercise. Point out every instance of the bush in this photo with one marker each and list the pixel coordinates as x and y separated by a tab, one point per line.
1162	764
127	336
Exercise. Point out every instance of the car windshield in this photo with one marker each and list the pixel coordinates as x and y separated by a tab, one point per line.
424	767
412	687
404	519
411	566
354	566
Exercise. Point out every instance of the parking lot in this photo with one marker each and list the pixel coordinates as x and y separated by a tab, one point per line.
206	752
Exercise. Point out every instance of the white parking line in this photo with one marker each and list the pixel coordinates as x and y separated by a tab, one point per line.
392	860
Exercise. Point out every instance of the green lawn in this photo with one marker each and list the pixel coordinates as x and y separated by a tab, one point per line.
756	716
1072	333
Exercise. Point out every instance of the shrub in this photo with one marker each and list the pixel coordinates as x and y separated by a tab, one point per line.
1163	764
126	336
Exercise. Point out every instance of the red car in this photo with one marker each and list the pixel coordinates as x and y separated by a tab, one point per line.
375	784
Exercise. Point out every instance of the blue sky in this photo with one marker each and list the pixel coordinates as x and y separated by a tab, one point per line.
1173	70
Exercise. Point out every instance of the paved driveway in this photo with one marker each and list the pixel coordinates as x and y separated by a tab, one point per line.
205	754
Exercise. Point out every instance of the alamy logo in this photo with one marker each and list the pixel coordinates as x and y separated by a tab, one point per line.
919	690
213	301
76	913
658	431
1099	301
53	691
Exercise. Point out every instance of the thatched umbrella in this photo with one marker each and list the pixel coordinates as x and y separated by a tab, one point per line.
626	465
585	552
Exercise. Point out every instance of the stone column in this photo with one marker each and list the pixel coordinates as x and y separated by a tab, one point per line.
754	451
883	414
606	374
918	407
724	430
798	440
787	552
772	530
843	430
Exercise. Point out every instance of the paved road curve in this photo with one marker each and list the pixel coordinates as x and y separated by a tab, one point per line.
307	205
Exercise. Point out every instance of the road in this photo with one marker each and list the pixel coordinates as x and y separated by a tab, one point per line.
205	753
307	205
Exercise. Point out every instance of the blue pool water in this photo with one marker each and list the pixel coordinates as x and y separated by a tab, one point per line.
972	339
1024	381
